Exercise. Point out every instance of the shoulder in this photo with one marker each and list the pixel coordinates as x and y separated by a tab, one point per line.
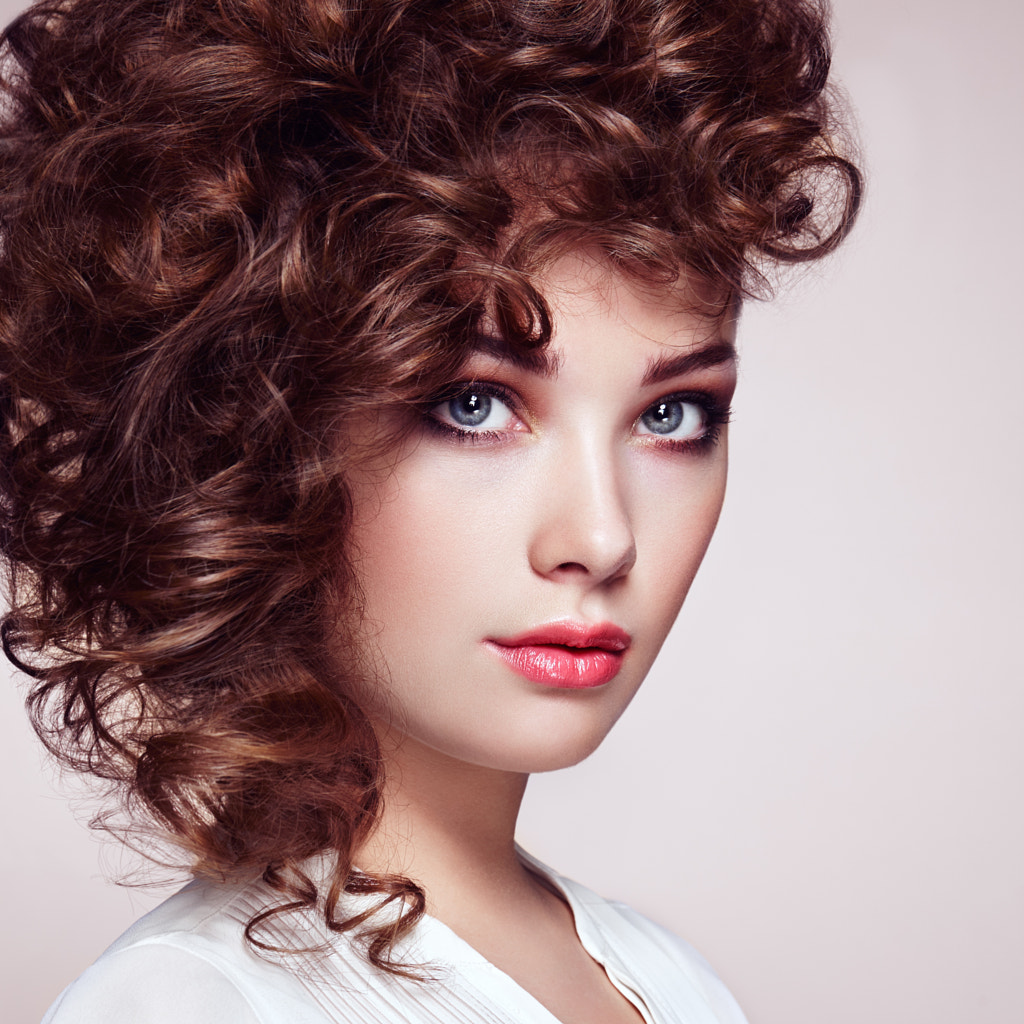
152	983
665	965
623	920
186	962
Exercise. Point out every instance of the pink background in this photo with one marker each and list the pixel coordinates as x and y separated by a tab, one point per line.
821	783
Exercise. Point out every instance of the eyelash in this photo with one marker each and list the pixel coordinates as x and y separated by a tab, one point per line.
716	413
494	390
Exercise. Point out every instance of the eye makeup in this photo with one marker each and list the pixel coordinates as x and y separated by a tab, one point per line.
477	400
462	411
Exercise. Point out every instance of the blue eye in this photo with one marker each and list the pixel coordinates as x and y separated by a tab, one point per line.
470	409
674	418
478	409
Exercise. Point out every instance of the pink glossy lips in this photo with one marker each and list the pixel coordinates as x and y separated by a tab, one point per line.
569	654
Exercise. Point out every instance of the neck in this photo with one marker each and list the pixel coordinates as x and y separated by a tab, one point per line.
450	827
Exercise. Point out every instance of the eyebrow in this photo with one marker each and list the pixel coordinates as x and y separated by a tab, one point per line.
538	360
545	363
667	366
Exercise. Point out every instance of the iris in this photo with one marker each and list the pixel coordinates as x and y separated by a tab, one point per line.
663	417
470	409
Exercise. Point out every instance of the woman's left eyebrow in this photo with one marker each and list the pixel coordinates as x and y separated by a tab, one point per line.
668	366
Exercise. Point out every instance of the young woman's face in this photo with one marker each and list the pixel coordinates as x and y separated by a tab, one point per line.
524	558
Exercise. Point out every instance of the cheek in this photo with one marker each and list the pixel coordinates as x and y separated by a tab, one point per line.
676	510
430	539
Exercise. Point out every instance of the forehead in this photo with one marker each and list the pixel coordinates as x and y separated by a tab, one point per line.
590	298
585	285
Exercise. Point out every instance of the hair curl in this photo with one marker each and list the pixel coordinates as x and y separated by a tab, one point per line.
226	226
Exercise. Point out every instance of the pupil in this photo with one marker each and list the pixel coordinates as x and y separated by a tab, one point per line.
470	409
664	417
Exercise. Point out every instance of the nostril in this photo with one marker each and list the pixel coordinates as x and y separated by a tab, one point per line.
586	538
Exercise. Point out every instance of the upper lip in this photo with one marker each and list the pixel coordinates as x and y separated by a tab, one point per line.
605	636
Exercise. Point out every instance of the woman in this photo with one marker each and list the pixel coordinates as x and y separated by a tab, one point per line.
366	371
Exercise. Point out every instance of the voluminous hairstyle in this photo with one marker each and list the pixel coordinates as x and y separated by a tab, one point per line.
227	227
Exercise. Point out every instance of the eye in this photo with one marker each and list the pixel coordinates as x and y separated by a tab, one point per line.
476	409
675	418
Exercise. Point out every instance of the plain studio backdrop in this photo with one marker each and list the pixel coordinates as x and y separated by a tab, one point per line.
820	784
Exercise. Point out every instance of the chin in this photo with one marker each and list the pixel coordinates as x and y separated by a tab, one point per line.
524	747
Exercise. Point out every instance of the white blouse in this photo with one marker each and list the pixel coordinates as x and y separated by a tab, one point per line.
187	962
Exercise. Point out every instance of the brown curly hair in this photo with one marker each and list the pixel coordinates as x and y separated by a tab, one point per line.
227	226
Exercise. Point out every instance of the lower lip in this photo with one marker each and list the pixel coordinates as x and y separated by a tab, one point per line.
569	668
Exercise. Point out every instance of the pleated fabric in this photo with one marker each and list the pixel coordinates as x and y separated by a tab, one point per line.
187	962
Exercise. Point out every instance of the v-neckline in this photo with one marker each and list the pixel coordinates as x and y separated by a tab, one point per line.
457	951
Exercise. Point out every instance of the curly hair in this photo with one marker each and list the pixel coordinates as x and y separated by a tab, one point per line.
226	227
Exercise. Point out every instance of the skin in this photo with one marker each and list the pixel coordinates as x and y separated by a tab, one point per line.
568	507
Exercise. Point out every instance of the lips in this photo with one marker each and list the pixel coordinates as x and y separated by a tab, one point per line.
566	654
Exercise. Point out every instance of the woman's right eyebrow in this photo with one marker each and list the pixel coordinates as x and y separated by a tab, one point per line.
538	360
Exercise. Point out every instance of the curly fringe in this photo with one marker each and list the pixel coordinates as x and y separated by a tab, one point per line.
226	226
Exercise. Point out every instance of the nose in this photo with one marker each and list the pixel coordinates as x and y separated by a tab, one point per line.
583	528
